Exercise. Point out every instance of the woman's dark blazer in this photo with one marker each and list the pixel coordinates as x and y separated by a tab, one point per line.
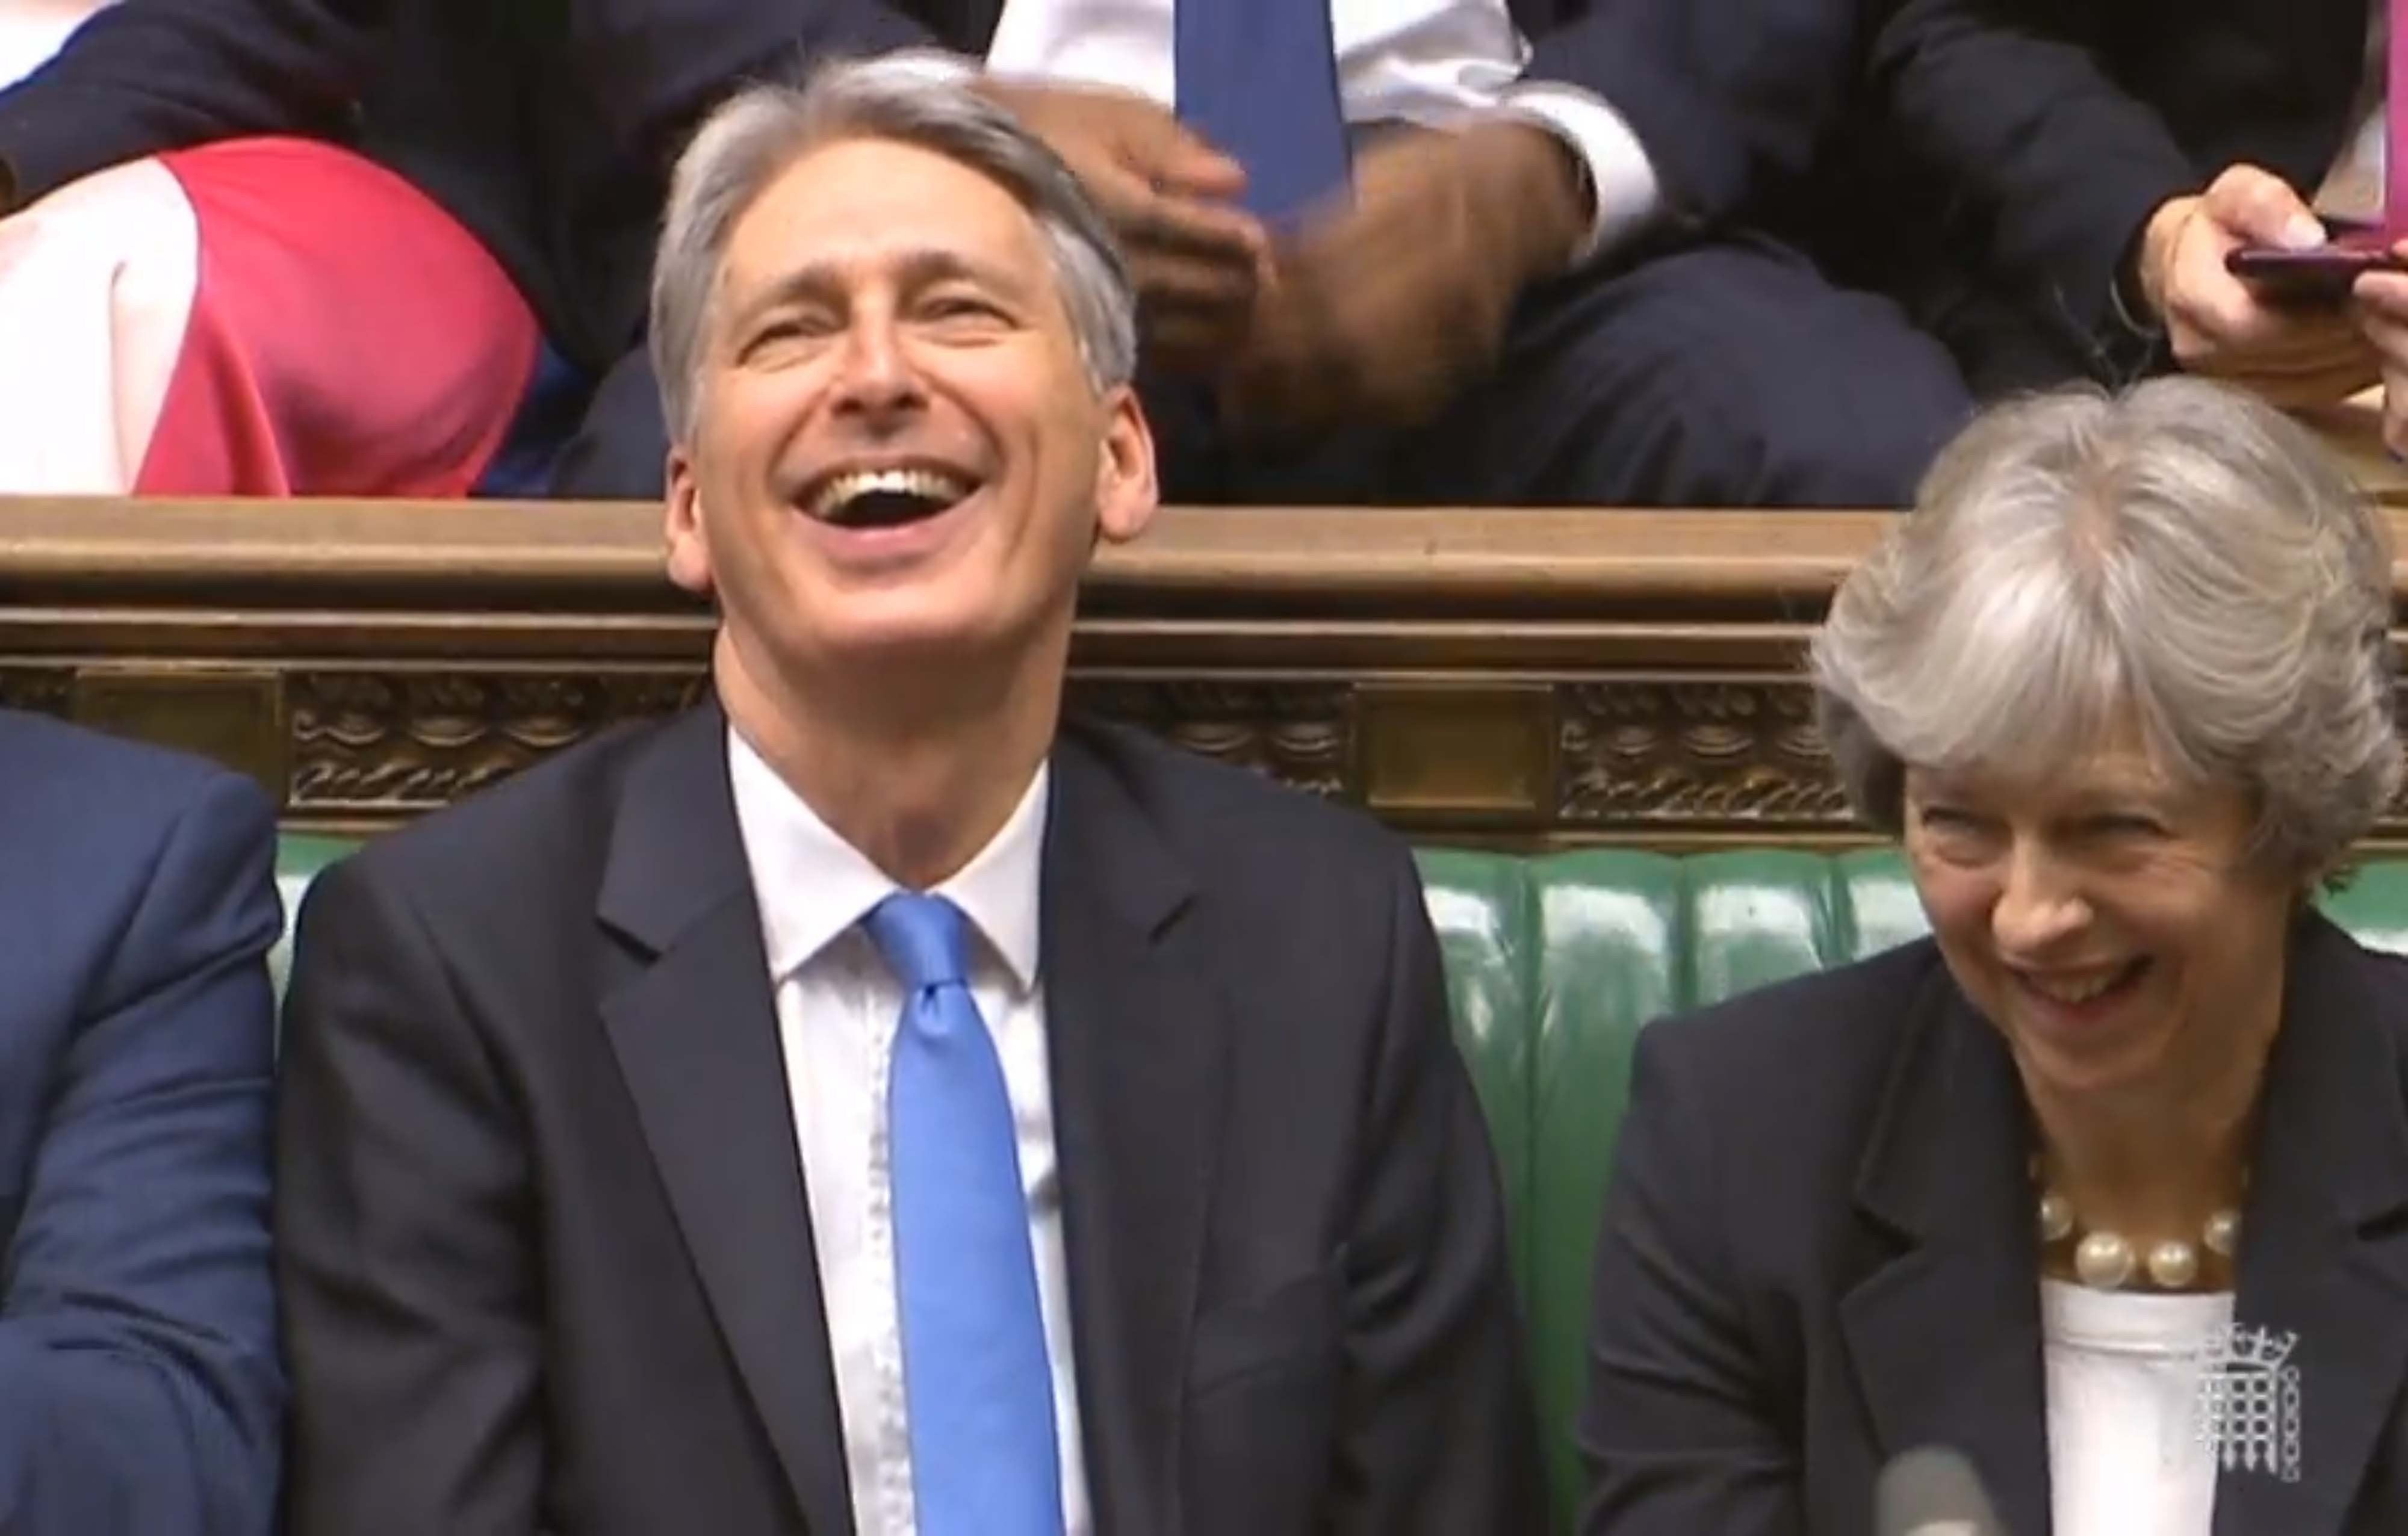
1819	1251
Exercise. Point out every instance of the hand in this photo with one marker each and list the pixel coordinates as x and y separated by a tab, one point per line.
2219	326
1386	308
2380	300
1195	258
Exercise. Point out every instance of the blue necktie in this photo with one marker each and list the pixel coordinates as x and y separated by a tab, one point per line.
977	1380
1258	80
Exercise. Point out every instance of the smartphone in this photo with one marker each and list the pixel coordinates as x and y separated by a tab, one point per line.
2319	274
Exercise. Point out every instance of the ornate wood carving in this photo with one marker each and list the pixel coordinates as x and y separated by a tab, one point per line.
1709	754
1301	734
1557	675
1645	756
395	743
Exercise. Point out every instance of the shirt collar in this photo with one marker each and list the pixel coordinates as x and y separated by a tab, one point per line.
812	886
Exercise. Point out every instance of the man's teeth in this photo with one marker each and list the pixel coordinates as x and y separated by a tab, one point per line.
928	485
2077	992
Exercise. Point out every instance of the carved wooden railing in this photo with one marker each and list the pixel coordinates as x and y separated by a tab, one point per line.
1531	677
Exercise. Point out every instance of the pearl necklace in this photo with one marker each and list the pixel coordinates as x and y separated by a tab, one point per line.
2106	1261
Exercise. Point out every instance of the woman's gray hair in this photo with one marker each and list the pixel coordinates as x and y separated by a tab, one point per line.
756	135
2179	557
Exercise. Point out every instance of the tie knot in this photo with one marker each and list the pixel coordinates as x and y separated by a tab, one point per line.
922	937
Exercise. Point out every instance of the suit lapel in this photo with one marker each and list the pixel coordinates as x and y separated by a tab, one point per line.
690	1016
1943	1328
2321	1256
1138	1055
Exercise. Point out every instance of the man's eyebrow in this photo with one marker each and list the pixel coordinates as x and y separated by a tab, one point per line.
927	266
918	268
816	280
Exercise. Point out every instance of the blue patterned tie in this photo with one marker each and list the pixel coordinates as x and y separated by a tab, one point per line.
977	1380
1258	80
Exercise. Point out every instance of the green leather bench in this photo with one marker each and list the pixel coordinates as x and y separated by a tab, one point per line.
1553	963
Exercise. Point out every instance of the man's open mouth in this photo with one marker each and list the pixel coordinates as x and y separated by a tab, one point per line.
887	498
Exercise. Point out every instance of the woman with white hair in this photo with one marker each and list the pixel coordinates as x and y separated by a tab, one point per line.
2104	1184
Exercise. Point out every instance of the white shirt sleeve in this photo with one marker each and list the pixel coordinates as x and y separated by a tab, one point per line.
1431	63
1622	179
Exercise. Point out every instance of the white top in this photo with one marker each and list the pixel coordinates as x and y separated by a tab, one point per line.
2125	1456
1431	62
32	30
837	1008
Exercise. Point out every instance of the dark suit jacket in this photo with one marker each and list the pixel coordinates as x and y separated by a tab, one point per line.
139	1388
547	1256
547	126
1819	1251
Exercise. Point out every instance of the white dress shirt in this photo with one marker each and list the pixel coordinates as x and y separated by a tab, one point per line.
837	1008
2125	1458
1430	61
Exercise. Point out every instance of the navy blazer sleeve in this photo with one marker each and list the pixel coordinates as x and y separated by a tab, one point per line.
140	1393
1676	1432
1439	1435
405	1212
145	76
2041	159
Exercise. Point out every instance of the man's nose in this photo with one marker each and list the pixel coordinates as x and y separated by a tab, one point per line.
876	376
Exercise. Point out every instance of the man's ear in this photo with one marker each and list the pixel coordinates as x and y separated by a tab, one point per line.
682	526
1126	492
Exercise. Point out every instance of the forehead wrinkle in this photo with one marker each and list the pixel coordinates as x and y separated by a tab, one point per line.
913	258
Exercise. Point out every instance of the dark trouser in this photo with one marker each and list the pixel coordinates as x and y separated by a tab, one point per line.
622	451
1726	375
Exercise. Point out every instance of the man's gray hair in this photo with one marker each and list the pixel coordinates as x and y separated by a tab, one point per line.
2180	557
759	132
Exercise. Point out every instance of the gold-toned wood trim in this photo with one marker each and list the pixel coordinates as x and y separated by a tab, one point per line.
547	556
1496	676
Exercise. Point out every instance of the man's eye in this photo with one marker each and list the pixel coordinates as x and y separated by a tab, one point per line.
961	307
2124	827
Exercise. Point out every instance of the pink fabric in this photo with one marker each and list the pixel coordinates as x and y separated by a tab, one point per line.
346	338
2394	123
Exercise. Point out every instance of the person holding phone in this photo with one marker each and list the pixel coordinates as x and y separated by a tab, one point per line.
2165	183
2251	286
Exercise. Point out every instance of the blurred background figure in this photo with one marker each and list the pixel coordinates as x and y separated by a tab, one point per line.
1378	248
2047	190
398	248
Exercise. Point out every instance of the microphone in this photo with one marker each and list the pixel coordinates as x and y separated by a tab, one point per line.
1933	1492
